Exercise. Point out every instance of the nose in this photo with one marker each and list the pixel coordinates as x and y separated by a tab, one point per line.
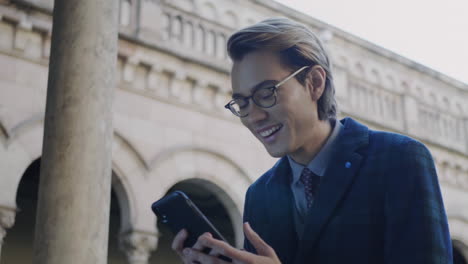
256	114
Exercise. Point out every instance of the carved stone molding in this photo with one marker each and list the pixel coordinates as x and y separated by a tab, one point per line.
138	246
7	219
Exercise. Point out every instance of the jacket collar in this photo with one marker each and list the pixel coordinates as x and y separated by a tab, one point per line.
337	179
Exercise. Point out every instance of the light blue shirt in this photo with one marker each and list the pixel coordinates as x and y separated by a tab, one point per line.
318	165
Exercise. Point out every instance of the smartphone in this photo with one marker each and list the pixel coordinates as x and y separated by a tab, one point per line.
177	212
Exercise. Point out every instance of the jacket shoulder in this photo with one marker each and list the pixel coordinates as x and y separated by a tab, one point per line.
392	143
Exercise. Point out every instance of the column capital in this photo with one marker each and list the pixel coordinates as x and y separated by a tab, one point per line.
7	219
138	246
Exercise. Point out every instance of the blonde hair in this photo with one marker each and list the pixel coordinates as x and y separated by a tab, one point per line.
297	47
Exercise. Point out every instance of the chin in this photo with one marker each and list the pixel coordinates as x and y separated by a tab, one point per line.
276	153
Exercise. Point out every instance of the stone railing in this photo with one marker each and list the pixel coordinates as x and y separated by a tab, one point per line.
440	127
375	104
400	110
184	34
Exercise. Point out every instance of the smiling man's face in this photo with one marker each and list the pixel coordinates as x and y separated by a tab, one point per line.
286	127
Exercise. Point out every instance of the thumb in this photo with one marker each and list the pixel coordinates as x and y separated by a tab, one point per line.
263	249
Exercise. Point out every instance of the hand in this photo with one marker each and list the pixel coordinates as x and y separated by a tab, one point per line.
266	254
178	245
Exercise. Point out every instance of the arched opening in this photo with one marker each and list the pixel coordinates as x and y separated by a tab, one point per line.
213	202
115	255
19	241
18	245
460	252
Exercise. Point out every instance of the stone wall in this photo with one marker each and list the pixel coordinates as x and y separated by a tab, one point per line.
173	82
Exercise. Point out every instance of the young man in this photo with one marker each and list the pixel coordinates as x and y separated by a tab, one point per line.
341	193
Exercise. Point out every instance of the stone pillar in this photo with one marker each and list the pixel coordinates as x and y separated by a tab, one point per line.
7	219
138	246
74	191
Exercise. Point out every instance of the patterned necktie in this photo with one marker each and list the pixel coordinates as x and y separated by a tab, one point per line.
311	183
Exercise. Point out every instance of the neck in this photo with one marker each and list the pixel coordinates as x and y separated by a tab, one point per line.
309	150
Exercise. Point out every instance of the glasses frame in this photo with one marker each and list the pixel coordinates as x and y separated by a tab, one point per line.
274	88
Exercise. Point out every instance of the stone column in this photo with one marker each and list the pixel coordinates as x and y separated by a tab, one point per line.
7	219
74	191
138	246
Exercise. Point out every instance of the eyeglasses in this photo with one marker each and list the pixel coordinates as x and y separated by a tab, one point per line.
263	97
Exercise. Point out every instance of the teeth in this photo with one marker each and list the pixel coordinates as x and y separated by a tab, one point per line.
270	131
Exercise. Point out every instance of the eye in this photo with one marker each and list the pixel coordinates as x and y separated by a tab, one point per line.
264	93
240	102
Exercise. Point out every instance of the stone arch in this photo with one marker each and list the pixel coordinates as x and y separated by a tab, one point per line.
221	52
176	27
165	26
199	38
460	252
22	148
210	43
459	232
188	32
25	146
126	199
189	163
198	163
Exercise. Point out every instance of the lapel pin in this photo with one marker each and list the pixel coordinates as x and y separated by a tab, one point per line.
348	165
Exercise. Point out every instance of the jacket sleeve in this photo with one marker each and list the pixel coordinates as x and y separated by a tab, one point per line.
416	227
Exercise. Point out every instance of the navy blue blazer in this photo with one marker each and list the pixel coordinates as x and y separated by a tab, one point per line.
379	202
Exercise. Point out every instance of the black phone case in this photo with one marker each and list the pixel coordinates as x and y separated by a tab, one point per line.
177	211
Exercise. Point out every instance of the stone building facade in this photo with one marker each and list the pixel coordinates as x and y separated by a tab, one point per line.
172	132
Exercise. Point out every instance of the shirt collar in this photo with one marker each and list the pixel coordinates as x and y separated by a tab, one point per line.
320	162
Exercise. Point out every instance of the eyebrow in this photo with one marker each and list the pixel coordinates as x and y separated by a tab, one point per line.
256	87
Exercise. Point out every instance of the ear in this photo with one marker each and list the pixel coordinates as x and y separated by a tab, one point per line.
316	80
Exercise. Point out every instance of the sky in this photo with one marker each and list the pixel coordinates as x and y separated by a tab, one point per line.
431	32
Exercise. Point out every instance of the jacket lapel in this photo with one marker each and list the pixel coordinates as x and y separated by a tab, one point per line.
282	234
335	183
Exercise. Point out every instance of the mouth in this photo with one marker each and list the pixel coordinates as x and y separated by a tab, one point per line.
269	132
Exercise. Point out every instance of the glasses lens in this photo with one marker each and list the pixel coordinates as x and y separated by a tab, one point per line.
239	107
265	97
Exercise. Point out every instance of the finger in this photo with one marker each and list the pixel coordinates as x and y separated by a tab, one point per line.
260	246
215	252
194	256
222	248
178	242
199	244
